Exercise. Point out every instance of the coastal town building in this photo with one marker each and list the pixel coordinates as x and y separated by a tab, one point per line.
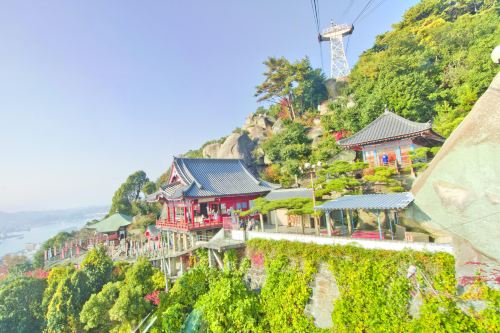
390	139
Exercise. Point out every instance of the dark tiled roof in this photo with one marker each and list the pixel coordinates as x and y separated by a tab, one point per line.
369	202
173	190
216	177
289	193
388	126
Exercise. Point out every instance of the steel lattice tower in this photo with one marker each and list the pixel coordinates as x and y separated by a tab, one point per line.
335	35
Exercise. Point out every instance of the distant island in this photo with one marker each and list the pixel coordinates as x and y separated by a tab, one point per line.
21	221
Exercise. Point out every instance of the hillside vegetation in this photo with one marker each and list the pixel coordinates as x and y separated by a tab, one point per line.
432	66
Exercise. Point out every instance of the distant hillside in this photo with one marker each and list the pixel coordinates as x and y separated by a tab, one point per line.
23	220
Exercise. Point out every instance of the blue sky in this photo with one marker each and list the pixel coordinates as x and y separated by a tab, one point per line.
91	91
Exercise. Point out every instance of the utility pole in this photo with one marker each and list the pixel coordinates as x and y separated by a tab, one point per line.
311	169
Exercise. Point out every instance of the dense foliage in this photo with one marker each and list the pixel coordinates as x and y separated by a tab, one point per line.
433	64
297	86
375	291
21	305
126	198
287	149
375	294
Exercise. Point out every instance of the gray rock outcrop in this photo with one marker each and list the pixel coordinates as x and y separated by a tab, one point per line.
457	193
237	145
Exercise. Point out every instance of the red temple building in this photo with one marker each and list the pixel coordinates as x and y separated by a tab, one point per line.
390	138
201	194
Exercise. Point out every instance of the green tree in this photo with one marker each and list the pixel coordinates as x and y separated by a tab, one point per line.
98	266
179	302
95	312
59	314
56	275
297	84
288	148
229	305
21	308
149	187
129	192
130	306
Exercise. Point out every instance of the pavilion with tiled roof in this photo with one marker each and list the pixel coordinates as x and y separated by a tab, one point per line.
389	139
201	193
114	226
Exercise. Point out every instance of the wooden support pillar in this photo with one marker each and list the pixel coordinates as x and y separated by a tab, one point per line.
175	241
329	222
182	268
261	217
185	241
351	219
379	226
179	242
349	225
388	218
173	266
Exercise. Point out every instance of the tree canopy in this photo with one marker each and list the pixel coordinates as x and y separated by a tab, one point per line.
130	192
297	85
21	305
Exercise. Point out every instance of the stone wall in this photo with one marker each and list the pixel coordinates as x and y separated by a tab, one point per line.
324	293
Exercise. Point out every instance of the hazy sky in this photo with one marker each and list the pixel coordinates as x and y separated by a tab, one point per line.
91	91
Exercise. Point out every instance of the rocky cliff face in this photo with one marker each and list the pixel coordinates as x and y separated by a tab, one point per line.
244	143
236	145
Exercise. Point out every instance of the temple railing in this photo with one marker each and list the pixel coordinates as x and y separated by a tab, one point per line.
209	223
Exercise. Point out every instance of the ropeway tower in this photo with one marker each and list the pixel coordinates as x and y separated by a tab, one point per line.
335	34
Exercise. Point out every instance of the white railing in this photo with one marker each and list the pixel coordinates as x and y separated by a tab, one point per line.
394	245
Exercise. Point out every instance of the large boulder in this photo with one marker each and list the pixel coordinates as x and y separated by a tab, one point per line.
459	193
316	131
258	127
211	150
237	145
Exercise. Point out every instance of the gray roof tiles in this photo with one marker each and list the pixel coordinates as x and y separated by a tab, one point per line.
289	193
369	202
387	126
216	177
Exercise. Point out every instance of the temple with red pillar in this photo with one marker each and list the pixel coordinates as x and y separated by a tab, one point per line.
201	195
390	139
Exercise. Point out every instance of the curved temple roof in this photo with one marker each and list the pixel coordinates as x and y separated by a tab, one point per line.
388	126
112	223
369	202
204	177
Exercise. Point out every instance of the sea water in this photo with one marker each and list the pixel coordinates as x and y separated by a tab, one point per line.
37	235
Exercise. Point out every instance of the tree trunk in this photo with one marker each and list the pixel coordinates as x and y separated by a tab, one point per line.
290	107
